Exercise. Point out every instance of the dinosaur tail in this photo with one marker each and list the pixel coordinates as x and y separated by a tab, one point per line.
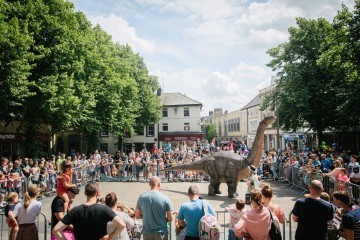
194	166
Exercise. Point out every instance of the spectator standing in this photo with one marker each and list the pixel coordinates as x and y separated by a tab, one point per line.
25	167
112	202
352	164
235	216
26	214
326	163
191	212
11	199
312	214
350	221
255	223
156	211
253	181
276	210
90	220
57	211
59	162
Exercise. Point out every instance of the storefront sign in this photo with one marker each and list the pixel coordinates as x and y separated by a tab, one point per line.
5	137
180	137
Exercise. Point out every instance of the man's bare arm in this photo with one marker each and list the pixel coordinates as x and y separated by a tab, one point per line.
138	214
169	216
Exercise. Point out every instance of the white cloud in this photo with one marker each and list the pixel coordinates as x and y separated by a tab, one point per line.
122	32
212	50
258	14
267	38
214	32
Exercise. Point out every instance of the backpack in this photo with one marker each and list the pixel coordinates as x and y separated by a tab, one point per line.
208	225
135	232
275	232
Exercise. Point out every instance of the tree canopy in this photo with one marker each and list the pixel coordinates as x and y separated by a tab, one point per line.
210	131
317	71
59	71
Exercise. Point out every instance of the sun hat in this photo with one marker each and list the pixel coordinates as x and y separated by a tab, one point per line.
252	168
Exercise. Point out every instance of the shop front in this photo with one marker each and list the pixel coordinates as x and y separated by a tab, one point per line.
175	137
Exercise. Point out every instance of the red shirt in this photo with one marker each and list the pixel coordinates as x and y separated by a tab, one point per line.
61	189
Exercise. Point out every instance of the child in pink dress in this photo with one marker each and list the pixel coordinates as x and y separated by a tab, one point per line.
342	179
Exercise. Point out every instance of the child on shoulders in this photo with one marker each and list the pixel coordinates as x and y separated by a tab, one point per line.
64	182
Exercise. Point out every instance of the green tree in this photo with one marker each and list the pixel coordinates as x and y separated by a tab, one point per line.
59	72
342	59
15	61
305	92
210	131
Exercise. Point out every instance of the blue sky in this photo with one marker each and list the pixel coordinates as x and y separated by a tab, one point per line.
214	51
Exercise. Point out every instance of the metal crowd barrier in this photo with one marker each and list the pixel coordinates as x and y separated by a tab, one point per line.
42	225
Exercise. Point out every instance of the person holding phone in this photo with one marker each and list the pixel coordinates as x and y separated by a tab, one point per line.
256	222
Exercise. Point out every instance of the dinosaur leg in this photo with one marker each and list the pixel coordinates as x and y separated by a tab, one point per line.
214	180
232	189
214	187
217	186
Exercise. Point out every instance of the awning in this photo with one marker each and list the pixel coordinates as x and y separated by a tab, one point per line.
180	136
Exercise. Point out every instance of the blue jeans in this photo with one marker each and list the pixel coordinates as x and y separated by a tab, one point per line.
137	173
232	236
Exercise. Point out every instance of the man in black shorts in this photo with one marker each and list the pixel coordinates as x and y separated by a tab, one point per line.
57	209
90	220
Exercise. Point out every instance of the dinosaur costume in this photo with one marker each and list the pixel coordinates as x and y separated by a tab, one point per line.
228	167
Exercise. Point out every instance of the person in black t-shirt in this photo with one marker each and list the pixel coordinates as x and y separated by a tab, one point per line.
312	214
57	207
90	220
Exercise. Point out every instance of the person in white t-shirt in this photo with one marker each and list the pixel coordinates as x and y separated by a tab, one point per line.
112	202
97	157
26	213
355	175
352	164
235	215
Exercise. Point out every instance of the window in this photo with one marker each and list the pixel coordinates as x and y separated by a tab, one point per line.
186	126
150	130
127	134
104	147
139	130
186	112
104	133
165	127
165	112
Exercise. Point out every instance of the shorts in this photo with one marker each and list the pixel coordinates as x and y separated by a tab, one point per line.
69	235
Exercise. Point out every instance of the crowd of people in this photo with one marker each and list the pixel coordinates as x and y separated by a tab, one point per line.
62	174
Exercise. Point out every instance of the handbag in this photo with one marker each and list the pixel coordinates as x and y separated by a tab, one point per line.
274	233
